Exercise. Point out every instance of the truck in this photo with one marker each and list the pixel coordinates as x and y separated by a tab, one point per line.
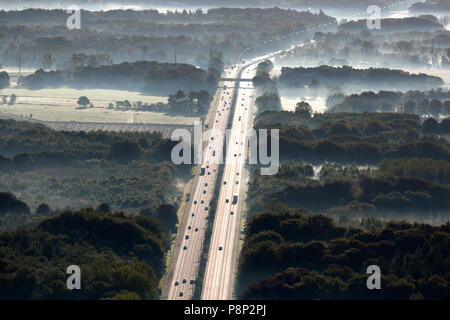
235	198
202	170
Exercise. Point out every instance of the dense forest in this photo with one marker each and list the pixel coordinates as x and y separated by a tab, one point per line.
352	79
364	164
120	257
127	171
422	103
147	76
413	49
128	35
423	23
292	254
376	171
268	97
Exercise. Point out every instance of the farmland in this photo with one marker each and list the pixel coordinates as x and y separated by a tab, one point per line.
61	105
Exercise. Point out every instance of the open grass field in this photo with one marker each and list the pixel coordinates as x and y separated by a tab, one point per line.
61	105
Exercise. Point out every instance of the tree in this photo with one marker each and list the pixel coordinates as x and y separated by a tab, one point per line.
83	101
304	109
436	107
47	61
410	106
104	207
4	80
445	126
126	150
43	209
166	213
12	99
430	126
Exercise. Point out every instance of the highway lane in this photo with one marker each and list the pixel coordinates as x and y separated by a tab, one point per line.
220	268
185	264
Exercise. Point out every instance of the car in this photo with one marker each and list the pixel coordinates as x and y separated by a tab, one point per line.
224	182
206	208
202	202
209	173
237	173
187	237
231	212
227	200
176	283
189	227
237	182
184	280
220	248
181	294
185	248
193	214
235	155
196	229
195	201
191	281
204	191
206	184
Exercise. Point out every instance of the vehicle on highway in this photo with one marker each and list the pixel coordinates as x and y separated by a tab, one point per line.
195	201
185	248
196	229
202	170
181	294
220	248
187	237
176	283
184	280
235	198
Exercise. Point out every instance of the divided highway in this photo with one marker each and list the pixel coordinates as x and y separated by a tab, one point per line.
221	261
189	247
220	268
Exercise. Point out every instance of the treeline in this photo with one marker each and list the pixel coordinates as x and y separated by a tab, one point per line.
295	255
145	76
134	35
391	25
4	80
128	171
120	256
356	79
422	168
180	102
364	138
268	96
422	103
413	49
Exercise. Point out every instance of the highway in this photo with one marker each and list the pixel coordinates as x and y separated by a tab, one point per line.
221	261
189	247
220	269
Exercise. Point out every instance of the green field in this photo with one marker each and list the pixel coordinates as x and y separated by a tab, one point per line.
60	105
